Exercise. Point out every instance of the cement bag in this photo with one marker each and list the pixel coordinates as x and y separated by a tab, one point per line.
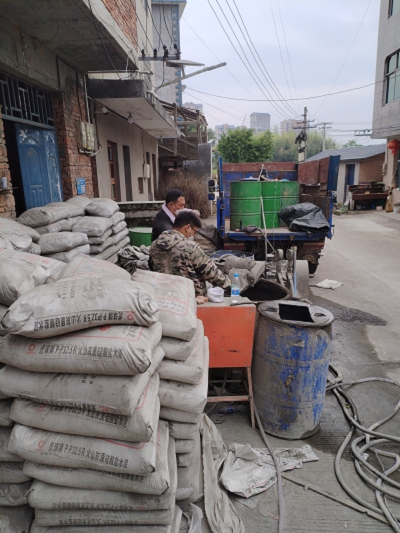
51	243
5	406
8	225
156	483
189	371
180	350
166	413
14	494
109	252
54	267
35	249
98	248
93	226
106	529
102	239
85	267
56	227
74	209
12	473
5	454
102	207
190	479
184	459
107	394
18	277
176	299
181	430
139	427
184	445
120	226
74	220
3	311
105	350
81	201
117	217
9	241
16	519
121	235
67	256
42	216
80	517
74	304
46	496
185	397
75	451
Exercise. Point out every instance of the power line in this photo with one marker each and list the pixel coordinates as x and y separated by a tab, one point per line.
216	57
227	112
230	40
166	25
347	55
154	24
280	49
287	48
271	83
294	99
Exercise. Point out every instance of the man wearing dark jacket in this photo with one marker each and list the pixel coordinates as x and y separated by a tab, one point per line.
164	219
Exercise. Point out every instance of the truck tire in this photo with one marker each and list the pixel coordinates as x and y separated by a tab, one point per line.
312	267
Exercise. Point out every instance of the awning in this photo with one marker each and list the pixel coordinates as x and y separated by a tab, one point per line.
133	96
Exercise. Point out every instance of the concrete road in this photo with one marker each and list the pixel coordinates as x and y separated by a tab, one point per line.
365	256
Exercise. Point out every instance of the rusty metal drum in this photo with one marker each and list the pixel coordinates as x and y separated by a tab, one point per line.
291	355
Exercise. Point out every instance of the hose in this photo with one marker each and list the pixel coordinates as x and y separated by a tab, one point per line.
336	387
281	503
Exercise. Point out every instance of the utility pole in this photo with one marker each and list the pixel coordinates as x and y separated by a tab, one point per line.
325	126
301	138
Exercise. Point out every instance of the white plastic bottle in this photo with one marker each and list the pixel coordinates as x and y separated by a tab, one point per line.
235	289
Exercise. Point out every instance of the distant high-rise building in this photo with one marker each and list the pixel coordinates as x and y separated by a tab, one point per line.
260	121
194	107
221	129
287	125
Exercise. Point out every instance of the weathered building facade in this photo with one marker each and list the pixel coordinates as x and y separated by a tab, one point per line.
58	136
386	115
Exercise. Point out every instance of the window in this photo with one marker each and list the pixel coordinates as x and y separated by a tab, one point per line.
393	77
394	6
113	171
141	185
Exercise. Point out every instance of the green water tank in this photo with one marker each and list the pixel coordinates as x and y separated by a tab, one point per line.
290	188
286	201
245	204
271	189
139	236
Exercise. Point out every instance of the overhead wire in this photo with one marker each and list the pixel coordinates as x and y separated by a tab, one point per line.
347	55
267	77
287	48
280	48
293	99
166	25
242	60
218	59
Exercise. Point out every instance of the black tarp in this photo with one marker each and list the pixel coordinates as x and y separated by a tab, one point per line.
304	217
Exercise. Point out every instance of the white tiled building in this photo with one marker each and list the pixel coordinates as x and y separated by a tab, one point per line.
386	116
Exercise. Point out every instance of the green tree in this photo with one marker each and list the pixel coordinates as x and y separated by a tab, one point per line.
286	149
242	146
210	134
351	144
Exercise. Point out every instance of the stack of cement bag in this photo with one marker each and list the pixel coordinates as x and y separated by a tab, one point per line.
105	227
14	484
15	236
81	356
183	373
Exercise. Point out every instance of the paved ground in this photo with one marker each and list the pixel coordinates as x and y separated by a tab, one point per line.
364	255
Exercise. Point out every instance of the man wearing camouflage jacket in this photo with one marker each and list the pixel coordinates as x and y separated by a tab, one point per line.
174	253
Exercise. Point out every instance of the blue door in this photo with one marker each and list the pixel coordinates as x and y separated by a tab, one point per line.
349	178
40	168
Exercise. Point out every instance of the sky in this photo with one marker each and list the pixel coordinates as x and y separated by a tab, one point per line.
305	49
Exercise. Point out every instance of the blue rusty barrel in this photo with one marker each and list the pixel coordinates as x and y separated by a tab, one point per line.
292	347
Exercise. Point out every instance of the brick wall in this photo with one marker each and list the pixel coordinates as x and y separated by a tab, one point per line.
7	201
124	14
69	108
